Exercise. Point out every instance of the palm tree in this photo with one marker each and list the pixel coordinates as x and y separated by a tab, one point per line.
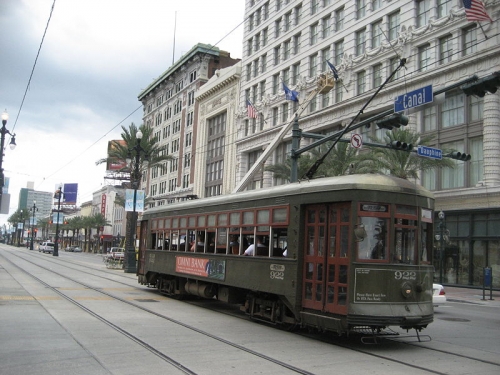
405	164
341	160
121	151
20	216
98	221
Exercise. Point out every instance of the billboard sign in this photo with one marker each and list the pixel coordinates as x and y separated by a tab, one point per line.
70	193
118	165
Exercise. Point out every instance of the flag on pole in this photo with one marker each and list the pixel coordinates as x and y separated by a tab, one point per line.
475	11
290	94
334	71
251	111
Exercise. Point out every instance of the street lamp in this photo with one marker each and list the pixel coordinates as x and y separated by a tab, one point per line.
34	209
20	228
441	245
5	117
135	179
57	195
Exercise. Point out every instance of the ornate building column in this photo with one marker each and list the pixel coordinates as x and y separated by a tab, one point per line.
491	139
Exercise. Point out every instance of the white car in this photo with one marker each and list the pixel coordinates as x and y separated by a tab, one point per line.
46	247
438	294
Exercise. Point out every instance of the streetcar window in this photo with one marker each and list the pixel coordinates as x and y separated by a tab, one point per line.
375	245
405	241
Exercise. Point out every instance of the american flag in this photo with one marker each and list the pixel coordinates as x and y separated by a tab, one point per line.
475	11
251	111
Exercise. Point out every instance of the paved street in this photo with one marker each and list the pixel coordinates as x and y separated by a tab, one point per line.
72	315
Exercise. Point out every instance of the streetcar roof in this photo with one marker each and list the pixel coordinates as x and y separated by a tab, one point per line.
350	182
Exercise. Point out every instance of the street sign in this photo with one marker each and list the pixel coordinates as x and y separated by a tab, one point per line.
356	140
413	99
430	152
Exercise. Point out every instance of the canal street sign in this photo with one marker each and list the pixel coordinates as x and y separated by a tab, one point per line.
430	152
413	99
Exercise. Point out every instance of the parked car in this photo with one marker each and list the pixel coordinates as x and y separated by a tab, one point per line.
73	249
116	253
438	294
46	247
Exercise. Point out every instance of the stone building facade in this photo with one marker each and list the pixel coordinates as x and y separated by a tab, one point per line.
291	41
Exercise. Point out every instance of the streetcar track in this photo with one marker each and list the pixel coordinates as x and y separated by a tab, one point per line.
136	339
315	337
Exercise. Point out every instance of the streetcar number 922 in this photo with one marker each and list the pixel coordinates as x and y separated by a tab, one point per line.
405	275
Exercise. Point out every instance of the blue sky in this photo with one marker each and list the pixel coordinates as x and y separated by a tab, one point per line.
96	58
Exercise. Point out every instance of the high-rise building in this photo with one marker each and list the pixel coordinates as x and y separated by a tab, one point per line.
171	111
291	42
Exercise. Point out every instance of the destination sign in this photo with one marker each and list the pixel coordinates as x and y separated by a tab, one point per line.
413	99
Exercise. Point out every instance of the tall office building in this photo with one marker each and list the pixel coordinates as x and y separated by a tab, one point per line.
291	41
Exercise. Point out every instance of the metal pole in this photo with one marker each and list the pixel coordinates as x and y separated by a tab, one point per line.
56	243
441	245
33	226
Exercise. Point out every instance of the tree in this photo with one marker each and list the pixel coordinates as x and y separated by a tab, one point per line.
121	151
403	164
341	160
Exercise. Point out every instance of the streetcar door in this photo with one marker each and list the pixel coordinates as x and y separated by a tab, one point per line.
326	258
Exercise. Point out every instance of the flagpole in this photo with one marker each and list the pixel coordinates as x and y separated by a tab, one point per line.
481	26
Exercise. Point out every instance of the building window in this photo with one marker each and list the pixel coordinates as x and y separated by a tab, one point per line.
325	26
476	165
313	33
277	53
423	12
215	150
249	46
429	119
191	98
452	112
445	49
255	68
296	44
424	57
393	25
264	37
453	177
339	19
476	108
257	42
295	73
313	104
360	42
376	4
276	83
313	65
284	112
285	76
179	85
470	40
288	21
339	93
287	49
275	116
444	7
262	86
377	75
192	76
394	63
361	82
185	181
298	14
429	179
325	55
314	6
277	28
190	119
376	34
360	9
263	63
339	52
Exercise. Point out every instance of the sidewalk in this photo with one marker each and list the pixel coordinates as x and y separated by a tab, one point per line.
472	295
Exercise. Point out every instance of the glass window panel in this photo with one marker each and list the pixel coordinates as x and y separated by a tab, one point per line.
175	223
168	223
235	218
310	240
201	221
280	215
263	217
192	221
308	291
343	274
212	220
344	241
330	294
248	217
222	220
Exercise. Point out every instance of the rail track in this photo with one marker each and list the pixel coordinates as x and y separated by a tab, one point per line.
387	352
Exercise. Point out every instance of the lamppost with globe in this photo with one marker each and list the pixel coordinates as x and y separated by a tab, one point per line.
5	117
34	209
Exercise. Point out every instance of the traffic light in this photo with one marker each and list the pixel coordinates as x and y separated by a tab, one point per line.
479	88
393	121
398	145
459	156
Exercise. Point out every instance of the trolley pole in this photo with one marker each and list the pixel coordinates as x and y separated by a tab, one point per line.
441	245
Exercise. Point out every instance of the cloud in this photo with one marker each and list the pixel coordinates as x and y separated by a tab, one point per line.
96	58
